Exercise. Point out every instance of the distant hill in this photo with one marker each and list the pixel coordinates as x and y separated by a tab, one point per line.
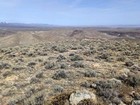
15	34
9	38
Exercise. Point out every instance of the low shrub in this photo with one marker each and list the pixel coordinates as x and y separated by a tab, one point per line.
60	58
60	49
31	64
90	73
18	68
129	64
63	66
6	73
78	65
76	58
4	65
133	80
59	75
50	65
34	80
39	74
58	88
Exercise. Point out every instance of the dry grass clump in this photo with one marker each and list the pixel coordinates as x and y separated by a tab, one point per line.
86	102
61	99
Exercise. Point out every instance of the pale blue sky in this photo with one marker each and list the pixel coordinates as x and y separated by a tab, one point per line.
71	12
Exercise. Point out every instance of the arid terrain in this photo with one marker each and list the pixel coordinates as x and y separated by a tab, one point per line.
70	66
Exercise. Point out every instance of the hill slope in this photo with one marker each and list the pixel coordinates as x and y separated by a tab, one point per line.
32	37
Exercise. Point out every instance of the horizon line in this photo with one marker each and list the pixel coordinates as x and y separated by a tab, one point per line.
111	25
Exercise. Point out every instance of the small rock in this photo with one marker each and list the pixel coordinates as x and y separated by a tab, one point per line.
67	102
115	81
122	103
136	102
78	96
93	85
126	71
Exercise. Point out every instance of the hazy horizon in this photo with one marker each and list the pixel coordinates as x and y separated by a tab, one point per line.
55	25
72	12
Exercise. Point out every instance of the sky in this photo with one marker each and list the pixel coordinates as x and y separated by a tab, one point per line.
71	12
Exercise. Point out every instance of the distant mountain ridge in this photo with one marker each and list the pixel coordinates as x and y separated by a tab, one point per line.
23	25
35	25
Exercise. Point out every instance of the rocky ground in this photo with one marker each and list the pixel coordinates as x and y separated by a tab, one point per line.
74	72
